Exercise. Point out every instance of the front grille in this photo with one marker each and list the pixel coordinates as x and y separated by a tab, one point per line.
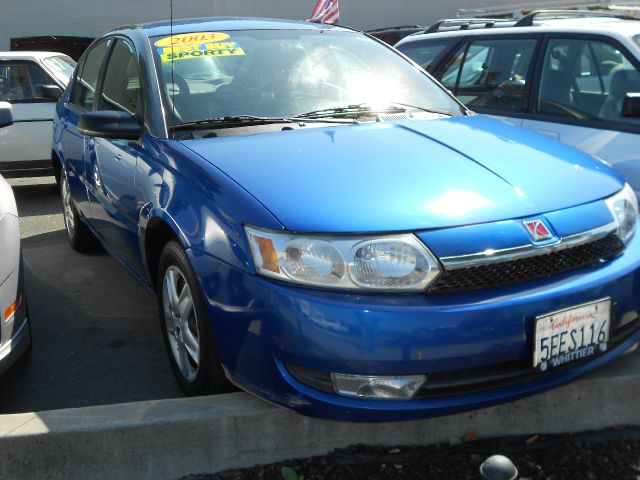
591	254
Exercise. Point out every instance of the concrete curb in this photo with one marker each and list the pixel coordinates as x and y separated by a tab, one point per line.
168	439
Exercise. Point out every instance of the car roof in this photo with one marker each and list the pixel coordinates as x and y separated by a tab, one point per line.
29	55
604	26
229	23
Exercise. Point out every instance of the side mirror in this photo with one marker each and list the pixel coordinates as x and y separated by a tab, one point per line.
6	114
53	92
110	124
631	105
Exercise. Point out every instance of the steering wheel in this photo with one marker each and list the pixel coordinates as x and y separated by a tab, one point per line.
550	106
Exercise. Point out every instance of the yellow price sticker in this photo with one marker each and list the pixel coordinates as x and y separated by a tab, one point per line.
196	38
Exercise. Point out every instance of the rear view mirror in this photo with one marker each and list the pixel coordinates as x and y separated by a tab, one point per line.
110	124
631	105
53	92
6	114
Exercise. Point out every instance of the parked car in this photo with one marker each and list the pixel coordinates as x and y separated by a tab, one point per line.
15	331
392	35
573	76
329	229
31	82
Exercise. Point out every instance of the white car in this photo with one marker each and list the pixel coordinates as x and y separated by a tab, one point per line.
31	82
573	76
15	331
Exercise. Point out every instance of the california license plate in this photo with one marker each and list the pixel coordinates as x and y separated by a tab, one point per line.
571	334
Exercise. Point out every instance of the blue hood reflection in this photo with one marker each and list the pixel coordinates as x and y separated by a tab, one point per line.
407	175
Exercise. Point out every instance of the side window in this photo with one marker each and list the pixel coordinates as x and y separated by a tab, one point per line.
423	53
84	87
587	80
39	78
491	73
14	82
121	87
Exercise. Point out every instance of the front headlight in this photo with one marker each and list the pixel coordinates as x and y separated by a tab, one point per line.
624	208
390	262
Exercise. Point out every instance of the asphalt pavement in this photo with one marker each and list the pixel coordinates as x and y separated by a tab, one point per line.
96	333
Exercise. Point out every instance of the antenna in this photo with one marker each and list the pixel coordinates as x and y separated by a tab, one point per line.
173	83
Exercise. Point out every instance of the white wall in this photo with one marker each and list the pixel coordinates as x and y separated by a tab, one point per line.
22	18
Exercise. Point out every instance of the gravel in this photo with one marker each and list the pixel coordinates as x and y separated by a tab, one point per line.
608	454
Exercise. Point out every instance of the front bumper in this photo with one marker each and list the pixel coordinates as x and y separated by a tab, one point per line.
263	327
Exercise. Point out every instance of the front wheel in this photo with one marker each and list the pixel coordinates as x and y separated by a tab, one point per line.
185	326
80	237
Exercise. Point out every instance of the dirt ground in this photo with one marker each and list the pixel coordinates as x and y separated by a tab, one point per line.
602	455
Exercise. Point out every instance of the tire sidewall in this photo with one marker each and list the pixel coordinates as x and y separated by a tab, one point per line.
210	377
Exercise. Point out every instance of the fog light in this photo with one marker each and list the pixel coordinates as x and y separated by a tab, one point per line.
367	386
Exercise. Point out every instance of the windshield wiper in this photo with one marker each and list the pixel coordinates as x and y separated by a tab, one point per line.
230	121
360	109
248	120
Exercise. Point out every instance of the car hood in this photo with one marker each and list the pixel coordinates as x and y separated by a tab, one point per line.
409	175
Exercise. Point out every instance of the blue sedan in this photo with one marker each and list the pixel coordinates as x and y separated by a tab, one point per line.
326	227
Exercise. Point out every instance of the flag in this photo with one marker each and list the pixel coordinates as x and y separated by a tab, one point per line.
326	11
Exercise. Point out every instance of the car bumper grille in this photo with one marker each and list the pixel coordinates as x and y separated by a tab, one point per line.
591	254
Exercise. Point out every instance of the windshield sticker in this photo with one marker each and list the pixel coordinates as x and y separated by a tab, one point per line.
197	38
196	45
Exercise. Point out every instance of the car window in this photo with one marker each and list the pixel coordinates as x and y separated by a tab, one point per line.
39	78
284	73
14	82
423	53
586	80
121	87
84	87
490	73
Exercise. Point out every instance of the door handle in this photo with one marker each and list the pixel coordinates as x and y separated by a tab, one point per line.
117	157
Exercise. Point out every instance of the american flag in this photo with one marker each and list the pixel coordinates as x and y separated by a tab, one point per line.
326	11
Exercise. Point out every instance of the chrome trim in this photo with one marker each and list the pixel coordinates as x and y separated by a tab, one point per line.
524	251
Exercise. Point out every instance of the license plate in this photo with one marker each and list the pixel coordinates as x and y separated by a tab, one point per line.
572	334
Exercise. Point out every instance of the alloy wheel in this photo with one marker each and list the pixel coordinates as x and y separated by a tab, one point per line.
181	323
69	216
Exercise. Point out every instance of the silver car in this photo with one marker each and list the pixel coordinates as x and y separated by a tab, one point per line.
573	76
31	82
15	331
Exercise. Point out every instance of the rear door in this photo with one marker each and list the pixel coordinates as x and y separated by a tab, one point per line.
26	145
578	96
81	99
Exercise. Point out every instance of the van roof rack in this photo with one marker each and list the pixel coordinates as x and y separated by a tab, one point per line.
464	23
390	29
527	20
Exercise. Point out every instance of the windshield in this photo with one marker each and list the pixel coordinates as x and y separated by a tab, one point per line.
286	73
61	66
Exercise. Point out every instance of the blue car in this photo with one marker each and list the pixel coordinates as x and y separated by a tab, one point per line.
327	228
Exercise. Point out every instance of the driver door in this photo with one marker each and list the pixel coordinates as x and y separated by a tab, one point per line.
582	84
111	164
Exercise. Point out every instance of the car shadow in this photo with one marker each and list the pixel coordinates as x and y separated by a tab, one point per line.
96	334
37	198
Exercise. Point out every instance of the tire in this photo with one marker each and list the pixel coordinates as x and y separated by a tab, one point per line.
80	237
185	326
